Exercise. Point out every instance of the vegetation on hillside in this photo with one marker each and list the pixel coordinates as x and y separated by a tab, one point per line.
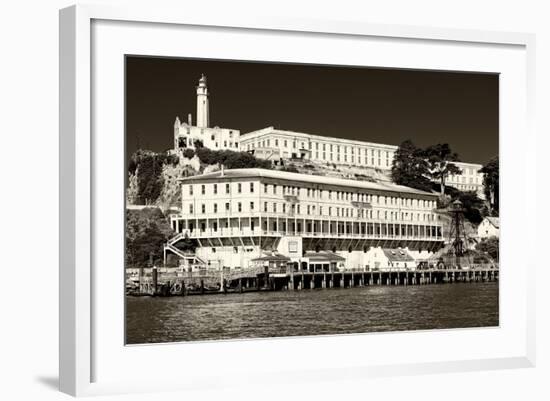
491	184
489	246
147	167
146	232
440	160
414	167
410	168
153	176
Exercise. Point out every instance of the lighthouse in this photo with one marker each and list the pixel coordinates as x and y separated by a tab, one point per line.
203	119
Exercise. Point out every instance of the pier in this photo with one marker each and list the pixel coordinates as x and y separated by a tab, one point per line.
174	282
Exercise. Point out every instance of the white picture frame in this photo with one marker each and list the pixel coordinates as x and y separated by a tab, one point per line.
83	341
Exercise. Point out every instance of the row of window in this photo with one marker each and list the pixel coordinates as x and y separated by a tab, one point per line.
312	193
318	146
312	210
464	180
332	152
363	229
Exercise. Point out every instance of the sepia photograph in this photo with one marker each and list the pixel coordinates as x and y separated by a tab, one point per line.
278	200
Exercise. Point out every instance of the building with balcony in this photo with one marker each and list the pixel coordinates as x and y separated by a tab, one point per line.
235	216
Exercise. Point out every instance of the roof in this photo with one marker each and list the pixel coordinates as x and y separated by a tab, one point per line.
495	221
324	257
398	255
306	178
275	257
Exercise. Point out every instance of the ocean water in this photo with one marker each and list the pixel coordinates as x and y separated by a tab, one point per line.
311	312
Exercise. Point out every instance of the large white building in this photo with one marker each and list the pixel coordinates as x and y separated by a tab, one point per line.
238	215
275	144
280	145
185	133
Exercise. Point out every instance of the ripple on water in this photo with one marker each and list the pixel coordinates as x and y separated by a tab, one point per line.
297	313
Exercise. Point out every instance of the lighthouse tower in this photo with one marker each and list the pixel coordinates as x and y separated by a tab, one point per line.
203	119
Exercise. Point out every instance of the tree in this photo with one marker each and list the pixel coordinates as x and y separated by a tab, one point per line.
189	153
472	205
489	246
146	232
150	182
440	159
410	168
491	184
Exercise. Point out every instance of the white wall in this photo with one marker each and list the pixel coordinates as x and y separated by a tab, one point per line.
29	82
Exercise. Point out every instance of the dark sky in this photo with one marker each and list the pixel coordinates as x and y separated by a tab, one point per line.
376	105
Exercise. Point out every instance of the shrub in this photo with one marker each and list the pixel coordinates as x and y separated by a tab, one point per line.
189	153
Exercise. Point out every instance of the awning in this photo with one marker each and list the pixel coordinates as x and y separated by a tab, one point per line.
277	257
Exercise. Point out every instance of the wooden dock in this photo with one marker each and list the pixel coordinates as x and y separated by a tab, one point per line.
178	283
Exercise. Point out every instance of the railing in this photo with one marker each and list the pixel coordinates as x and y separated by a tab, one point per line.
239	233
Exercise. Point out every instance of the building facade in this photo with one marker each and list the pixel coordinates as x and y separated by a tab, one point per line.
274	144
471	178
238	215
279	145
186	134
489	227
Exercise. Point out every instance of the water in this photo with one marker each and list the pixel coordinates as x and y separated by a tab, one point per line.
311	312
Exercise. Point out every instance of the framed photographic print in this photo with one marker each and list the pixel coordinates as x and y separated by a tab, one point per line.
313	186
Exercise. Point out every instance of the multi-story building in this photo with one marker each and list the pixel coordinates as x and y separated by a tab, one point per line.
185	133
471	178
275	144
237	215
279	145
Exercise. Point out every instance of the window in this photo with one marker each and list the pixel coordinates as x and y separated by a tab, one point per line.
215	208
240	207
226	188
251	206
239	188
227	207
274	207
203	189
265	188
276	142
265	207
274	189
284	207
190	189
251	187
190	208
215	189
203	208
